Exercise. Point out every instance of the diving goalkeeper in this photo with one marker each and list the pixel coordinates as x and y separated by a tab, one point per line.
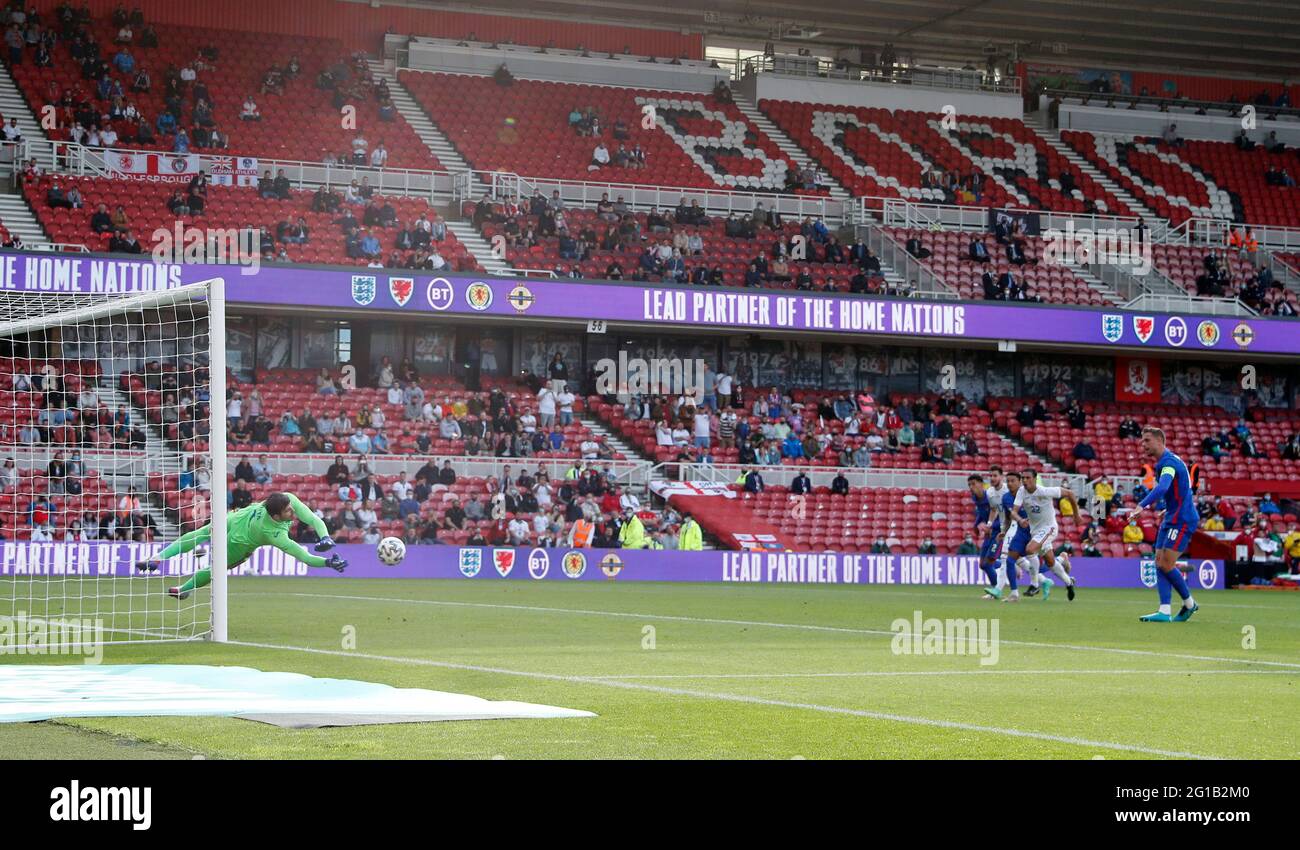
260	524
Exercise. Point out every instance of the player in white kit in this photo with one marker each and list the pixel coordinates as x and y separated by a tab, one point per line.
994	493
1039	503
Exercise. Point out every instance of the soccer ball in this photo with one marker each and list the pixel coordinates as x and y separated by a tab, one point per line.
391	551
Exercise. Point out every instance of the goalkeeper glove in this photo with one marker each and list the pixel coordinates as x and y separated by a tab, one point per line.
336	563
325	544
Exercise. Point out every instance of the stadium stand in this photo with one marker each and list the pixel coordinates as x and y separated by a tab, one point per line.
943	432
995	162
680	244
1188	426
1197	178
526	128
298	85
276	213
949	257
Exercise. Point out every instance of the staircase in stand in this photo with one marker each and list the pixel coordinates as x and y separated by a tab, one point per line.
478	246
787	145
1053	137
158	459
433	137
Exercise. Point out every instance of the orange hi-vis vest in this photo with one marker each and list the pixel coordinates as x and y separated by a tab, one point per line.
1234	238
582	533
1148	476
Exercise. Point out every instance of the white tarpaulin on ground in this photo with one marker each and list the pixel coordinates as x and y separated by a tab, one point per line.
31	692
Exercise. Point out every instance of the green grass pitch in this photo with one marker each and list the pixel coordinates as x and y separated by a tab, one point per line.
720	671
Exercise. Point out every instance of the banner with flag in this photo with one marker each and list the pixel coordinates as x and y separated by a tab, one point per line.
233	171
153	167
668	489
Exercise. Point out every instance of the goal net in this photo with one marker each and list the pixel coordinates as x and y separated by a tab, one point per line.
112	434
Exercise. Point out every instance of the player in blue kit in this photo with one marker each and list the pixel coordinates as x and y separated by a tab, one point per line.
1016	539
1173	490
980	498
993	496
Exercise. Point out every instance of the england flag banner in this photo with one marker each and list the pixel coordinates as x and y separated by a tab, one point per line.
668	489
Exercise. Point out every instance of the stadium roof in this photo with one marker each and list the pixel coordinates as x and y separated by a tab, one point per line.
1248	37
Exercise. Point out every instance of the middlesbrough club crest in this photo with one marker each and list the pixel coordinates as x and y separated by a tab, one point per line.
401	288
1143	327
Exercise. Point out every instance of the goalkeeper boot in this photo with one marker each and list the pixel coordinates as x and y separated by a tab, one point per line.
147	566
177	593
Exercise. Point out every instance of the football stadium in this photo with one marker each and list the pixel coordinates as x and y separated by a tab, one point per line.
565	380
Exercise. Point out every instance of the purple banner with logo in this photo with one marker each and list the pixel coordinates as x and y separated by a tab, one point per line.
62	560
721	307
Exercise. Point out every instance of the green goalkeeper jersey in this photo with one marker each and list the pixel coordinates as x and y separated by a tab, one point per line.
251	527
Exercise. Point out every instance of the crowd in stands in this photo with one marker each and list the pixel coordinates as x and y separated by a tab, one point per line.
122	83
679	245
586	508
64	409
727	422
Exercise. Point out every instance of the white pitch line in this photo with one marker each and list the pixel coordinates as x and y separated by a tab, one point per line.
794	626
964	591
742	698
886	675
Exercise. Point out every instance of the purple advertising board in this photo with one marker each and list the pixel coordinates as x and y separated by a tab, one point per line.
93	559
424	293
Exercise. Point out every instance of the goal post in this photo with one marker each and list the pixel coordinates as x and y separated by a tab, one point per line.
112	445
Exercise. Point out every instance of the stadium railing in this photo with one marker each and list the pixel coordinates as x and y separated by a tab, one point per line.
60	248
821	476
443	186
1185	303
959	79
927	284
641	196
1132	287
80	160
636	474
1173	105
900	212
1214	231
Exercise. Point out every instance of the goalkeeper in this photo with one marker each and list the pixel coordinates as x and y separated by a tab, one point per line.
260	524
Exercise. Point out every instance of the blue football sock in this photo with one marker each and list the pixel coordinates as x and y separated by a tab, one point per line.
1163	587
992	572
1012	580
1175	577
